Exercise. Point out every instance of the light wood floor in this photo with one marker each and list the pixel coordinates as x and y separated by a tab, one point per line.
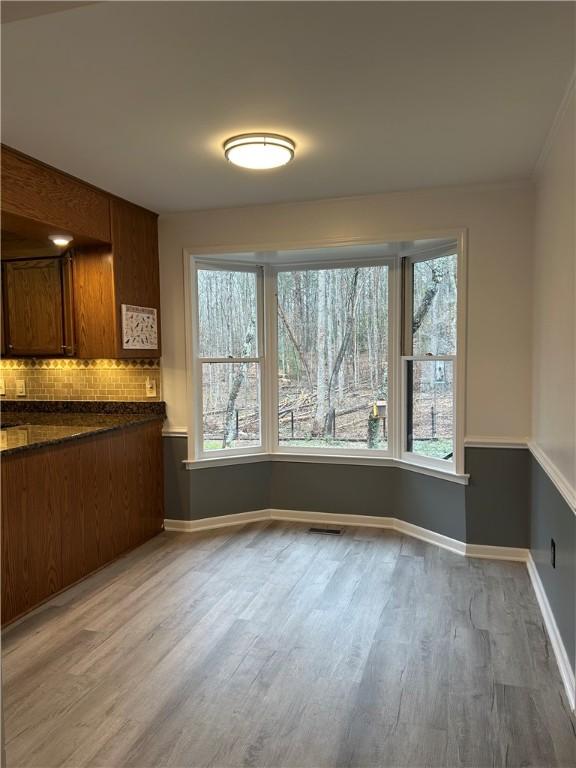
269	646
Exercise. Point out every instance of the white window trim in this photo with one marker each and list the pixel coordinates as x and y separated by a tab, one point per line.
197	361
262	256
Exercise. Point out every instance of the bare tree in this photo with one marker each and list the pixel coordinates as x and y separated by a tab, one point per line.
295	343
237	381
321	383
437	275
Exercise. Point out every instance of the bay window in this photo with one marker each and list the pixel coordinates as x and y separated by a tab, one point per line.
343	352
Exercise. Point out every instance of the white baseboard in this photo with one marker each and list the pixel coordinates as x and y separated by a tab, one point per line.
497	553
562	659
369	521
221	521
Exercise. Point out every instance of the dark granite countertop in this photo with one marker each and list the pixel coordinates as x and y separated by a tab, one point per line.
28	428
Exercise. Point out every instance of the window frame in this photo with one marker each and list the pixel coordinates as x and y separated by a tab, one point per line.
264	260
199	361
330	263
408	356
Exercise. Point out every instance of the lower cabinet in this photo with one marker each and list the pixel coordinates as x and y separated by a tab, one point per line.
68	509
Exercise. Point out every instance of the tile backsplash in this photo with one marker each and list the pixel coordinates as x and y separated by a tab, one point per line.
80	379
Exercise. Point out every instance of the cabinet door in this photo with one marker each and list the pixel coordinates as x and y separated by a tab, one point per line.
31	530
34	307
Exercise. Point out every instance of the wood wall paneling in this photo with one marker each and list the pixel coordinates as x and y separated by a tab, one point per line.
136	268
71	508
31	528
36	191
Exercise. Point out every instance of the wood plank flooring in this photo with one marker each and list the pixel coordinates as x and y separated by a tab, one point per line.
266	646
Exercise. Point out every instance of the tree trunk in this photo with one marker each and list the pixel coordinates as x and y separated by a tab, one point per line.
436	277
297	346
373	428
237	381
348	330
321	386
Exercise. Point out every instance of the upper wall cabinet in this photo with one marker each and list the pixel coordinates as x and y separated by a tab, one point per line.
37	308
136	269
35	191
114	262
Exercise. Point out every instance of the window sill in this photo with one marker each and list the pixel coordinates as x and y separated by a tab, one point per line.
315	458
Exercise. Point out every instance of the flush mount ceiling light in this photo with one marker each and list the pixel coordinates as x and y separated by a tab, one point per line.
61	241
259	151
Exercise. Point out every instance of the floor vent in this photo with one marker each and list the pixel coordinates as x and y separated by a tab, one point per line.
327	531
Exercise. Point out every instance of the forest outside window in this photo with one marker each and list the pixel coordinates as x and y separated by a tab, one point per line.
429	362
347	352
333	358
229	357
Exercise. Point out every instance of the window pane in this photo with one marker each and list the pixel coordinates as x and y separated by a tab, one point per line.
333	357
227	313
231	405
430	408
434	306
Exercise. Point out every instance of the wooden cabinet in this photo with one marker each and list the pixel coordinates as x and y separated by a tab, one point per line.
31	533
115	262
136	268
105	278
71	508
37	307
39	193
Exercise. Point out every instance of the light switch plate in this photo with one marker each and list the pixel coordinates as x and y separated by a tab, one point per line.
150	387
20	388
2	387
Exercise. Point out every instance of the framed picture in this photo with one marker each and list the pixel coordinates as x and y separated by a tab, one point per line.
139	327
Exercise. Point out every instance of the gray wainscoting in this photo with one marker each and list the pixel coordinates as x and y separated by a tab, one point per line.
192	495
493	509
498	496
359	490
438	505
552	518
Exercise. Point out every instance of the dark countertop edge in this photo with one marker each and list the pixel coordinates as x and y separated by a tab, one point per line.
140	407
139	419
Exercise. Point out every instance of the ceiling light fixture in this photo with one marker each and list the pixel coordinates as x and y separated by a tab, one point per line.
259	151
61	241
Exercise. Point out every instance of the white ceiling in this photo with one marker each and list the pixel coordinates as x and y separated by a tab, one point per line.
137	97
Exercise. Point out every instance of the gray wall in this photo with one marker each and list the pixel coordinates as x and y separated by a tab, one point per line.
498	496
493	509
194	494
552	518
382	491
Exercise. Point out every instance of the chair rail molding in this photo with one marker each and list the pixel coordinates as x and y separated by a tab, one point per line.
562	485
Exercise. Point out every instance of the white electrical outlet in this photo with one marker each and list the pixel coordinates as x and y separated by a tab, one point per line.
20	388
2	387
150	387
